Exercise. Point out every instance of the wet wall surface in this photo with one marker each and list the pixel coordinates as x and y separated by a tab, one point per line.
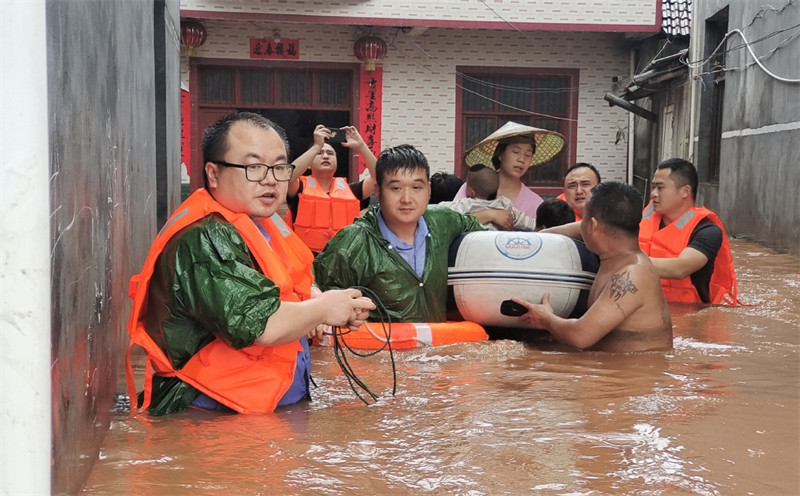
102	123
759	176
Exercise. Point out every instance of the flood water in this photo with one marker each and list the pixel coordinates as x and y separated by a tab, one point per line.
718	415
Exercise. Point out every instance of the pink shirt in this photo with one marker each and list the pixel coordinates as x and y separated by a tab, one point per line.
527	200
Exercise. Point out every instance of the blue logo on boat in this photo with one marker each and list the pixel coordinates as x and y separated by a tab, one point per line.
518	247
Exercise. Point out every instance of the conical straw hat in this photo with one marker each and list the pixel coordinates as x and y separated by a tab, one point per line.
548	144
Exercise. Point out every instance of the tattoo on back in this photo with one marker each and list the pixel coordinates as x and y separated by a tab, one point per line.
621	285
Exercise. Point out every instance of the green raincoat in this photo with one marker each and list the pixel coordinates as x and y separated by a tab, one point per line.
205	285
360	256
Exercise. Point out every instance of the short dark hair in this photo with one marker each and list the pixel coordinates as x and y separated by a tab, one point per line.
682	172
484	180
215	137
588	166
513	140
444	187
617	205
554	212
403	157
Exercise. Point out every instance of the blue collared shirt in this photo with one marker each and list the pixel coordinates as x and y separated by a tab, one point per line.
413	254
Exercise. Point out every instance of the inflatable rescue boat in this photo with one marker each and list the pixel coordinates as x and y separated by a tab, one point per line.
488	267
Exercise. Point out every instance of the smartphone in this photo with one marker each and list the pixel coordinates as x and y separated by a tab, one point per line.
512	308
338	135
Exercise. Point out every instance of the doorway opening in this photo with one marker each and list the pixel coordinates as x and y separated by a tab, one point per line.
299	126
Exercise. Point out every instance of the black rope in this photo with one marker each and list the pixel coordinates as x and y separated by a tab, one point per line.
341	347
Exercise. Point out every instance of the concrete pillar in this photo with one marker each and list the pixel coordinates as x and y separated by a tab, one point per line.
25	411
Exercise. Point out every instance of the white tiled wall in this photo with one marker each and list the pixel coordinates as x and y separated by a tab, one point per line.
419	79
606	12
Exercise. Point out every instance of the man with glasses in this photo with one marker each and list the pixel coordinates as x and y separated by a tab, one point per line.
224	302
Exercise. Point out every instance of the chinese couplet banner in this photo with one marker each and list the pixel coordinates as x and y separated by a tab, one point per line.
186	129
370	110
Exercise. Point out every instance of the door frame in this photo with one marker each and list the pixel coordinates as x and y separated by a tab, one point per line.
196	130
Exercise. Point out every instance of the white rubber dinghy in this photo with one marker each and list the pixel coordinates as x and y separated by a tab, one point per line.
489	267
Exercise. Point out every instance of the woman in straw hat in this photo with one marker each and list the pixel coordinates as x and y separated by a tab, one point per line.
512	150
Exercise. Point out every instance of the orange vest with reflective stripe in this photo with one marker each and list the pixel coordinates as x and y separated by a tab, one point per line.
562	196
295	254
672	239
250	380
321	215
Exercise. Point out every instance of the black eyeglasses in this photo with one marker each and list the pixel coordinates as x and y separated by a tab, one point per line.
258	172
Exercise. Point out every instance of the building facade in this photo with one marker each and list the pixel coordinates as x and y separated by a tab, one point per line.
453	72
725	95
744	63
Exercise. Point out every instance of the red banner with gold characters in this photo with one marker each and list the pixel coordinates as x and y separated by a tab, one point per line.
267	48
186	129
370	111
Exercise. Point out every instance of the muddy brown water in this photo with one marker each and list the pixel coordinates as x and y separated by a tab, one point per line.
718	415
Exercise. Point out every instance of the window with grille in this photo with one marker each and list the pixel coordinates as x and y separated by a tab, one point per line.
545	99
255	86
274	88
216	86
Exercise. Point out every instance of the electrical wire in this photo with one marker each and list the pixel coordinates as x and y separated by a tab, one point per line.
756	58
692	64
410	39
699	63
529	112
340	349
751	64
761	14
761	65
490	84
517	89
515	28
660	51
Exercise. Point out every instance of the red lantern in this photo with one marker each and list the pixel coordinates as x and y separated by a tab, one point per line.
369	49
193	35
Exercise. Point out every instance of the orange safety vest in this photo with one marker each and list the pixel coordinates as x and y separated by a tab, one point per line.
562	196
295	254
672	239
321	215
250	380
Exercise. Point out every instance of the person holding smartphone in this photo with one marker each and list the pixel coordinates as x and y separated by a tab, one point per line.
321	204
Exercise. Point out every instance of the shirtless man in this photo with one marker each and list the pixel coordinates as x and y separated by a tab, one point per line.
627	309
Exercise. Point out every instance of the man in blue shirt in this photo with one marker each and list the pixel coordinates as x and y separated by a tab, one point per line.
399	248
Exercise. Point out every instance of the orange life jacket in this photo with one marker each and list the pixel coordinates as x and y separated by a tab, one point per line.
562	196
321	215
250	380
295	254
672	239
